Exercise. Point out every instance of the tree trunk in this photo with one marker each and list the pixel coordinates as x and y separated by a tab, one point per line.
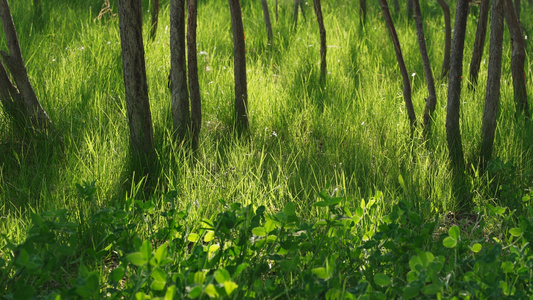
302	9
396	7
241	93
138	106
155	18
409	9
34	112
401	63
362	11
518	57
492	95
178	70
453	131
268	24
194	86
276	10
447	39
296	4
479	43
323	47
431	101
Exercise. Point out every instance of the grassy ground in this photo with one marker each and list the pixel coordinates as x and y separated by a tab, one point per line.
350	138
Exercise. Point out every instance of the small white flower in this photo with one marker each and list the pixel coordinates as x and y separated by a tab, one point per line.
414	74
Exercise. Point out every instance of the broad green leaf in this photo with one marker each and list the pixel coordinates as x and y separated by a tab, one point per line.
193	237
414	261
213	248
23	258
199	277
454	232
137	259
382	279
321	272
414	218
230	286
516	231
259	231
159	275
507	267
146	249
157	285
195	292
209	236
431	289
140	296
289	209
449	242
117	274
476	248
222	275
161	253
211	291
334	201
411	291
169	295
321	204
239	269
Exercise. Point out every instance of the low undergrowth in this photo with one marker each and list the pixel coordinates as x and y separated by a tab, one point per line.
243	252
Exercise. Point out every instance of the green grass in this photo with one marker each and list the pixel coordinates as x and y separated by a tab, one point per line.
350	139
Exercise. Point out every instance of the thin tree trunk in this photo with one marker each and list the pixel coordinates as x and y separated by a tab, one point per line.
276	10
296	4
479	43
12	100
453	131
268	24
396	7
409	9
136	87
362	11
323	47
492	95
302	9
194	86
431	101
178	71
447	38
241	92
155	18
14	62
401	63
518	57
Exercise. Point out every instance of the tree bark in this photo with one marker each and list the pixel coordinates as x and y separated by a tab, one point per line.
239	59
401	63
155	18
323	47
34	112
517	6
194	86
431	101
492	95
479	43
136	87
296	4
302	8
453	131
268	24
447	39
276	10
178	71
409	9
362	11
518	57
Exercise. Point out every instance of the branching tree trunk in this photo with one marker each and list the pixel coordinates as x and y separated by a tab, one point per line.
323	47
138	106
23	95
518	57
492	95
453	131
194	86
431	101
447	38
239	59
155	18
268	24
401	63
178	70
479	43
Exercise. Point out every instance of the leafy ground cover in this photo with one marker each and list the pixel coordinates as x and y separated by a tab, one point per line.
329	197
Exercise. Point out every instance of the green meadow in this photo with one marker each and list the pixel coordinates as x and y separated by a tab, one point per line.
329	195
